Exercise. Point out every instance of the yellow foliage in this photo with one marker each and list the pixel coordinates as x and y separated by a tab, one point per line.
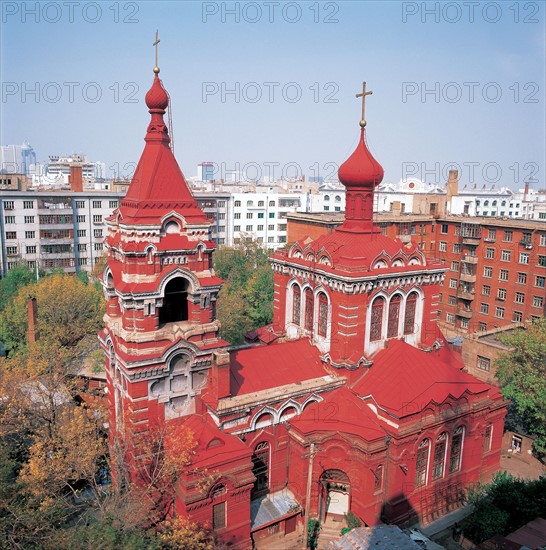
183	534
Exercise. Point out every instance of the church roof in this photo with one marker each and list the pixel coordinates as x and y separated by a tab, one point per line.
158	185
404	380
263	367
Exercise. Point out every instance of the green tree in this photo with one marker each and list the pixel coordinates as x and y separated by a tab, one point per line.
18	276
522	375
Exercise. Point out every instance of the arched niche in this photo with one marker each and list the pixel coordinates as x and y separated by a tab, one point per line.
175	302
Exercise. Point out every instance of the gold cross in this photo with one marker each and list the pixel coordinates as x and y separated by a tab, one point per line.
157	41
363	96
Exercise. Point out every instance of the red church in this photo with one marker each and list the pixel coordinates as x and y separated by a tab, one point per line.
349	401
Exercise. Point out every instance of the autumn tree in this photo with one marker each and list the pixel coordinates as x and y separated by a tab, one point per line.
522	375
67	310
246	299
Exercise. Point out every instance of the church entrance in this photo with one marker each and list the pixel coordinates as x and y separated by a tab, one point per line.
335	492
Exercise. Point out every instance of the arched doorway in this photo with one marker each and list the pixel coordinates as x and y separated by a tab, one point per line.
335	493
175	302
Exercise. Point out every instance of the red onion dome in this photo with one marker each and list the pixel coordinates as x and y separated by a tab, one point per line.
157	97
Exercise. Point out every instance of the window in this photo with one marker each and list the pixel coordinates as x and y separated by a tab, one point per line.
443	246
522	278
270	240
457	248
486	290
421	463
281	227
82	261
270	227
488	271
97	233
80	204
499	312
113	204
464	323
487	438
31	249
453	283
80	218
260	228
445	229
506	255
516	443
260	215
296	304
454	266
271	203
97	204
237	228
520	298
237	216
482	326
82	232
376	324
409	315
30	234
260	469
503	275
248	228
489	253
439	457
456	450
82	247
250	203
9	205
261	204
11	234
97	218
523	258
542	261
394	315
271	215
10	219
337	198
539	281
309	304
484	308
322	315
97	246
378	478
508	235
517	317
452	300
484	363
28	205
237	203
219	516
11	250
450	318
249	215
538	301
326	208
491	233
542	241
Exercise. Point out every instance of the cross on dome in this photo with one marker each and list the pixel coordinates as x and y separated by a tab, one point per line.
363	96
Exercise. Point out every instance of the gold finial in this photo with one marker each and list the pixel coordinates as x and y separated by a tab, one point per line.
157	41
363	96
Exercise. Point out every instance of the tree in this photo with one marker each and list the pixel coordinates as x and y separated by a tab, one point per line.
68	309
18	276
522	375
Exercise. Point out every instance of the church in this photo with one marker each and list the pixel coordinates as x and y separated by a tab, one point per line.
350	401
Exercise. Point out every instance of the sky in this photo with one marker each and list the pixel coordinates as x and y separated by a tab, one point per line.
268	88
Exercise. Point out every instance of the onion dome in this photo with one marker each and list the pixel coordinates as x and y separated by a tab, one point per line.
157	97
361	169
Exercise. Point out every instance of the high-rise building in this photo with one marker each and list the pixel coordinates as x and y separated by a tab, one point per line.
17	159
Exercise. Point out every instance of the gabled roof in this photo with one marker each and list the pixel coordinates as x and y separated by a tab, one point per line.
404	380
265	367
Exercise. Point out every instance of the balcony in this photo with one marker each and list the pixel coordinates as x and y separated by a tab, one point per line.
465	294
464	312
468	277
526	243
473	241
470	259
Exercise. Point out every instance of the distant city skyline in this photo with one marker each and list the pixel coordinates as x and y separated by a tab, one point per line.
270	88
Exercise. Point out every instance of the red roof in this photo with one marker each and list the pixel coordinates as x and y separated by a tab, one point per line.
340	411
405	379
265	367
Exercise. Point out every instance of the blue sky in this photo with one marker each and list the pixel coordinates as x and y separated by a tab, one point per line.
316	53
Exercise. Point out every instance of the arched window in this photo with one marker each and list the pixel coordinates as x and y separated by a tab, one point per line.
175	302
322	315
488	438
326	197
260	469
261	203
421	463
296	304
394	315
456	450
338	198
376	324
271	203
237	203
438	466
250	203
486	203
309	303
409	315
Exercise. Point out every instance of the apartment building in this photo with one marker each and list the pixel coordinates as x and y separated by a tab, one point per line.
497	267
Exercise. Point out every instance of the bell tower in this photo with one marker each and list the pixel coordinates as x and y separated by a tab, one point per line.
353	290
160	322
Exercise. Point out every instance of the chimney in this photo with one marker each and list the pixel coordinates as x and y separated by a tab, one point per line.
452	187
396	208
76	179
32	312
220	372
526	192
